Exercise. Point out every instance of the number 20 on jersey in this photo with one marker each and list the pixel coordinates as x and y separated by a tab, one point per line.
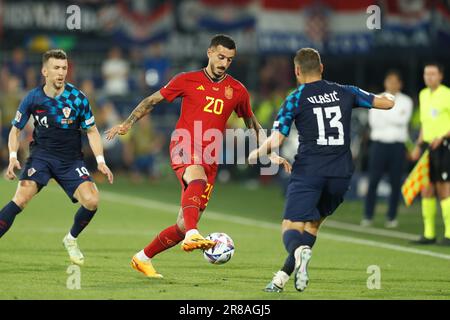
213	105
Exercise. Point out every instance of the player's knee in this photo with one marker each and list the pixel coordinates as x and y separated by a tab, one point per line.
312	228
22	200
25	192
90	201
295	225
195	172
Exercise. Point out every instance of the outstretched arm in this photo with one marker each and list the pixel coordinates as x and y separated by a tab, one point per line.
143	108
275	140
255	127
95	141
384	101
261	138
13	145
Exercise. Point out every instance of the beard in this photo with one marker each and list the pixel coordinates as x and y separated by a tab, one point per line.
217	69
57	86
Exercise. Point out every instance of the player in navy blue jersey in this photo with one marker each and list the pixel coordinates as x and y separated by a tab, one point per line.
321	111
60	112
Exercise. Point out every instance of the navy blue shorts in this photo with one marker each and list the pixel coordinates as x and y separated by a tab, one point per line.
68	174
309	198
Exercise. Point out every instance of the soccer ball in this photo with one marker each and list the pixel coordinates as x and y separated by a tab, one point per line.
222	251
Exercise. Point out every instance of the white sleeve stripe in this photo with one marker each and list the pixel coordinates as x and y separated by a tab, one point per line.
90	121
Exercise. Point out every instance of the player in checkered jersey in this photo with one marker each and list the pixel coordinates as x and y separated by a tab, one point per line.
321	111
60	112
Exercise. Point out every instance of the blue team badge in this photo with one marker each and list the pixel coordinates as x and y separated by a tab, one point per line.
66	111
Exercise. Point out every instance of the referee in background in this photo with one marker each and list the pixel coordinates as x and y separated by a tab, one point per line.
434	103
388	134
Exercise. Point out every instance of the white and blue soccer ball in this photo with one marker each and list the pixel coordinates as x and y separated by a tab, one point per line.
223	250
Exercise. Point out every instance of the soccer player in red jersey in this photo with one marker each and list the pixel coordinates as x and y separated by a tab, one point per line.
209	97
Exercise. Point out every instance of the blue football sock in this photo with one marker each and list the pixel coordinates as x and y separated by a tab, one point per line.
81	220
308	239
293	239
7	216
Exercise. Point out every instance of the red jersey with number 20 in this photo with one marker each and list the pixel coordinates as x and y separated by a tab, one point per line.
206	101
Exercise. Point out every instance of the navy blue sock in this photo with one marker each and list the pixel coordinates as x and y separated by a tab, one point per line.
7	216
81	220
293	239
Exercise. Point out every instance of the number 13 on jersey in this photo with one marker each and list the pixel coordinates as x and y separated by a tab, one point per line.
334	123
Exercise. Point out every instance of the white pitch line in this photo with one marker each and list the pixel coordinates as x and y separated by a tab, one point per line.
213	215
383	245
369	230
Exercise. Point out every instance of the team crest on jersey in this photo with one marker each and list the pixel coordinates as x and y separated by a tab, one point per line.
66	111
31	171
228	92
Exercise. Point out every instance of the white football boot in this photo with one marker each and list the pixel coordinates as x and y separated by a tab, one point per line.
74	252
302	257
278	282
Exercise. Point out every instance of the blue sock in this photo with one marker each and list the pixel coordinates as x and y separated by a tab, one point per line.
308	239
7	216
81	220
293	239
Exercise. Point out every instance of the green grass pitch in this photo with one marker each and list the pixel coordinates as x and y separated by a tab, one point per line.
33	262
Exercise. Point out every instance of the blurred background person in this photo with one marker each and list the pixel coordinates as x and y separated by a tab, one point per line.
115	150
435	135
388	135
156	66
145	145
115	70
9	100
18	66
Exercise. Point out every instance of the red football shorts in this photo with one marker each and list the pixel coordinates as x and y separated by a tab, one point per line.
179	168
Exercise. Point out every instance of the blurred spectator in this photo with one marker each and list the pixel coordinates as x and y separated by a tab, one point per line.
9	103
115	72
18	66
105	118
268	108
156	66
32	79
276	74
145	144
88	88
389	133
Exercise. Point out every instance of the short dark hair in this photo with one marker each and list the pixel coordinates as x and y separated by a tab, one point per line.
394	72
54	53
309	60
439	66
224	40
